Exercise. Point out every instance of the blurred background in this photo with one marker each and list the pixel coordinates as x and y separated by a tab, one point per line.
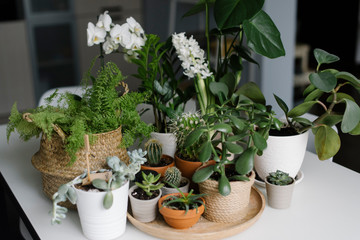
43	45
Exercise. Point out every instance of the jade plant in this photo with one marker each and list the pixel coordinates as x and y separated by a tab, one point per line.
154	152
279	178
173	175
148	183
239	125
326	90
121	173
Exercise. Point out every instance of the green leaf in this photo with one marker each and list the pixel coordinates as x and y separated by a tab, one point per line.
331	119
218	88
100	184
263	37
232	13
282	104
108	200
205	152
351	116
193	137
229	80
322	56
339	97
238	123
245	162
301	109
224	185
325	81
252	91
327	142
259	141
234	148
222	127
313	95
235	138
356	130
309	89
71	195
203	174
348	77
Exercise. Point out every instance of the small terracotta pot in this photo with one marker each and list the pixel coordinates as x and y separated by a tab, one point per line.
177	218
188	168
162	169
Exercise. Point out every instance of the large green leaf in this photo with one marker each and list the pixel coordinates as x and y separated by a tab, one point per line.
259	141
232	13
327	142
239	123
351	116
224	185
222	127
252	91
234	148
108	200
219	89
301	109
356	130
229	80
322	56
193	137
203	174
339	97
348	77
245	162
263	36
205	152
282	104
325	81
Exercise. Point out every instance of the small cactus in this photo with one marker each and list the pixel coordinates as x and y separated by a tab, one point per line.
154	152
173	175
279	178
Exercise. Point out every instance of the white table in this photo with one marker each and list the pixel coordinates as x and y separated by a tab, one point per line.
326	204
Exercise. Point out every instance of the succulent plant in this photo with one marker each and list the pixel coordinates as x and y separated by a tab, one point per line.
182	126
279	178
148	183
154	151
173	176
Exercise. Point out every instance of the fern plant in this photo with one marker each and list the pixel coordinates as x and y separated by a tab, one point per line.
101	109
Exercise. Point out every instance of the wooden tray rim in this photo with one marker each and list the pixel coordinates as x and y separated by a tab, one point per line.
175	234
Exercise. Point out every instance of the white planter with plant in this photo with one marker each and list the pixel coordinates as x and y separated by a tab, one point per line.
279	189
144	197
173	178
102	209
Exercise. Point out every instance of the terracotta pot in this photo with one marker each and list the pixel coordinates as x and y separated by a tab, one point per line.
279	196
226	209
188	168
162	169
169	190
177	218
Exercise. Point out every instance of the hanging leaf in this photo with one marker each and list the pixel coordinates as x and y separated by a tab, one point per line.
322	56
351	116
259	141
356	130
327	142
234	148
205	152
108	200
301	109
348	77
245	162
263	37
203	174
224	185
222	127
239	123
232	13
325	81
339	97
252	91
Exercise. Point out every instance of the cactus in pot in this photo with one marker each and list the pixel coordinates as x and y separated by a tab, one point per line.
154	152
173	176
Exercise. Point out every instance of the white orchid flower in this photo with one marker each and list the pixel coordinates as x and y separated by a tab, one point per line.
135	27
109	45
104	21
122	35
95	35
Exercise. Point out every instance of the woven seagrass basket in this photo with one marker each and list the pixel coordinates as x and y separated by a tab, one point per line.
53	162
226	209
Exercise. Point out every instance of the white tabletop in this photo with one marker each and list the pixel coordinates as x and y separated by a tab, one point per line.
325	205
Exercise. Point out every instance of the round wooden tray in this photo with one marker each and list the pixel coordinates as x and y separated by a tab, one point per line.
205	229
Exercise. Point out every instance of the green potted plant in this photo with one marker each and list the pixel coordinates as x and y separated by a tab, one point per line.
173	177
144	196
102	204
181	210
279	189
106	112
326	90
156	160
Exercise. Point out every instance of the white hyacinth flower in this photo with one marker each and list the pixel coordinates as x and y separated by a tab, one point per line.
104	21
109	45
95	35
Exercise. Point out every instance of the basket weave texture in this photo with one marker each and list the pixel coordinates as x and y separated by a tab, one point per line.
226	209
53	162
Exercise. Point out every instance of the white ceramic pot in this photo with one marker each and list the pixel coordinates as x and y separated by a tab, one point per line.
97	222
144	210
279	196
168	141
167	190
285	153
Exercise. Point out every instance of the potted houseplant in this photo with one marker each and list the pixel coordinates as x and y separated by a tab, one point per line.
144	197
181	210
173	178
325	90
102	205
156	160
106	112
279	189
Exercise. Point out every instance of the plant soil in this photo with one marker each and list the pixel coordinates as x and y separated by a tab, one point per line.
141	194
186	159
229	171
178	206
288	131
163	162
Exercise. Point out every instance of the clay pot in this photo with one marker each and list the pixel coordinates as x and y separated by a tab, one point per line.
177	218
188	168
161	169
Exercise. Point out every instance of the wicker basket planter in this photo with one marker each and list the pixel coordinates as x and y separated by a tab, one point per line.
53	162
226	209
